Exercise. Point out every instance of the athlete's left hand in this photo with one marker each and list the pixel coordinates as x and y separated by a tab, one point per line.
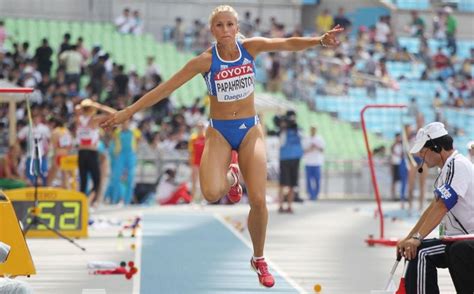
329	38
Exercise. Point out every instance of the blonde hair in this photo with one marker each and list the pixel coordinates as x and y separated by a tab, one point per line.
225	8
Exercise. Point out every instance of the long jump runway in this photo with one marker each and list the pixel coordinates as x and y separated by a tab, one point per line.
185	249
190	253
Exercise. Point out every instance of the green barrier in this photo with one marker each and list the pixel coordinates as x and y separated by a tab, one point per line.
8	184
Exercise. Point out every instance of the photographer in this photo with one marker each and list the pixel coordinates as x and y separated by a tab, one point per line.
291	152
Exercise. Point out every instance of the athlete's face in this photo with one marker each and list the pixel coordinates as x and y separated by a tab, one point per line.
224	27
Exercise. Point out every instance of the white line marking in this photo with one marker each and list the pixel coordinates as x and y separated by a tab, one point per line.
274	266
138	256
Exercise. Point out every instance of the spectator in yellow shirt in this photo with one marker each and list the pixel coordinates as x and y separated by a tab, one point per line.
324	22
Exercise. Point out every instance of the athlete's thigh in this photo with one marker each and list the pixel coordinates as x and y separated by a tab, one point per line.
253	163
215	158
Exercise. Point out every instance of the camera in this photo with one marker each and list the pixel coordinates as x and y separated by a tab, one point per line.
287	121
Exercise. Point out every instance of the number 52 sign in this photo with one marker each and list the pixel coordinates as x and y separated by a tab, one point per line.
63	210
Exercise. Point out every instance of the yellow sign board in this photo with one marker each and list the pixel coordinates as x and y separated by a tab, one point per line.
63	210
19	262
68	162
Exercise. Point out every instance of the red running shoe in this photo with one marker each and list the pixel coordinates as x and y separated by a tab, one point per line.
264	276
235	192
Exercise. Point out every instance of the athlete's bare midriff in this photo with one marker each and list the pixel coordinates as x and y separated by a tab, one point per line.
232	110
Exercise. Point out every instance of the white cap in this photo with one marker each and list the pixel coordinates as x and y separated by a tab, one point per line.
470	145
430	131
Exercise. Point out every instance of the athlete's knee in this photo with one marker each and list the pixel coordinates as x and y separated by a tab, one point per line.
258	202
213	193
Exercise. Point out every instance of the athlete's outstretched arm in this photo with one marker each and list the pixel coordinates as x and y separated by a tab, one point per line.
195	66
259	44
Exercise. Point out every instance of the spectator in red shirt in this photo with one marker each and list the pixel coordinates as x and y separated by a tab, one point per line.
440	60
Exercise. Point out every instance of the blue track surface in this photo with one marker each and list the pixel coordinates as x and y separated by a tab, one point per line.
197	254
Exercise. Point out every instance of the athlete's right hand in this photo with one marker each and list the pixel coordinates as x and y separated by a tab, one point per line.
116	118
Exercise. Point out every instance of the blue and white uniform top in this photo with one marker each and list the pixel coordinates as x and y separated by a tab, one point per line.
231	80
456	190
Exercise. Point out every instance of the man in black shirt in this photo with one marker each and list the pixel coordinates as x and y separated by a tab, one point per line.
342	20
65	45
97	72
43	57
121	82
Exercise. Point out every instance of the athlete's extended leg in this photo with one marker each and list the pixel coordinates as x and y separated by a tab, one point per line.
253	165
214	174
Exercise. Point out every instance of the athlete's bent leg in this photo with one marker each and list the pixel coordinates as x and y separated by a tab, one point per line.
213	172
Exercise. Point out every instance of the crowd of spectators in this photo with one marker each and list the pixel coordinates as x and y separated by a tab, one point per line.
82	73
129	22
360	61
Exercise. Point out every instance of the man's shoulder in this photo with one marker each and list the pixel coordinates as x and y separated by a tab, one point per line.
461	160
466	163
460	167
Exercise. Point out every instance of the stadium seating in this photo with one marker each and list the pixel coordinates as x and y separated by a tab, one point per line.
366	16
406	69
466	5
413	45
412	4
128	50
462	5
386	122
